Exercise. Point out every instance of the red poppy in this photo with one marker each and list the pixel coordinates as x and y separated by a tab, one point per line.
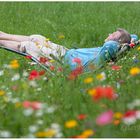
103	92
115	67
132	45
77	60
33	75
43	60
81	116
130	113
52	68
28	57
42	72
75	73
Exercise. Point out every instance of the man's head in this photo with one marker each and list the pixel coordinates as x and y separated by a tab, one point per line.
121	36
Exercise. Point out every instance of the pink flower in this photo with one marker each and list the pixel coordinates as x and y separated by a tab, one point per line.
36	105
26	104
104	118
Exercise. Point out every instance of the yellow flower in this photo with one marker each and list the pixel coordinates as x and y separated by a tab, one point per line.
71	124
138	48
87	133
50	133
14	64
92	91
2	92
88	80
18	104
101	76
134	71
61	36
118	115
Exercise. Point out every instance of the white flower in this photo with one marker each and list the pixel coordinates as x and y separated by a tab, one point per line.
33	128
15	100
5	134
39	122
136	102
33	83
138	114
129	120
50	109
118	85
28	112
59	135
130	106
15	77
25	74
1	72
39	113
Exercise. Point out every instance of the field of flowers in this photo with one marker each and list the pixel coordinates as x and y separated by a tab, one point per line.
100	104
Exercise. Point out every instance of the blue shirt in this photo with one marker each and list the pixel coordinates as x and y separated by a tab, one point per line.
96	56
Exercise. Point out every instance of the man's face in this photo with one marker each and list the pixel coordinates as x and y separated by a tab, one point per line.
113	36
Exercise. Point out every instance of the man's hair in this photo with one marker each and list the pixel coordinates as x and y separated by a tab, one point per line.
125	36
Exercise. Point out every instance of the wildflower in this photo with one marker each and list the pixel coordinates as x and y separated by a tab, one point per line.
34	105
71	124
104	118
26	104
129	117
43	60
87	133
60	69
73	75
5	134
33	84
49	133
88	80
81	116
28	112
103	92
77	60
28	57
52	68
2	92
15	77
42	72
14	64
115	67
138	114
33	128
61	36
134	71
33	75
92	91
25	74
118	115
101	76
18	104
138	48
116	122
1	72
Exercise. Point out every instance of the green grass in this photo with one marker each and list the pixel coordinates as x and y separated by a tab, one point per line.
84	24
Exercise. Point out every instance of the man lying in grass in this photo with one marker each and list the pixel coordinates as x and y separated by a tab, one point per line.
37	46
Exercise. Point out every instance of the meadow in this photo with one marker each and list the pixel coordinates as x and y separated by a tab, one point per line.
34	104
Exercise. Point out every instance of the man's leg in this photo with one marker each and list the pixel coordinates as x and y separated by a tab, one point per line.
18	38
10	44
